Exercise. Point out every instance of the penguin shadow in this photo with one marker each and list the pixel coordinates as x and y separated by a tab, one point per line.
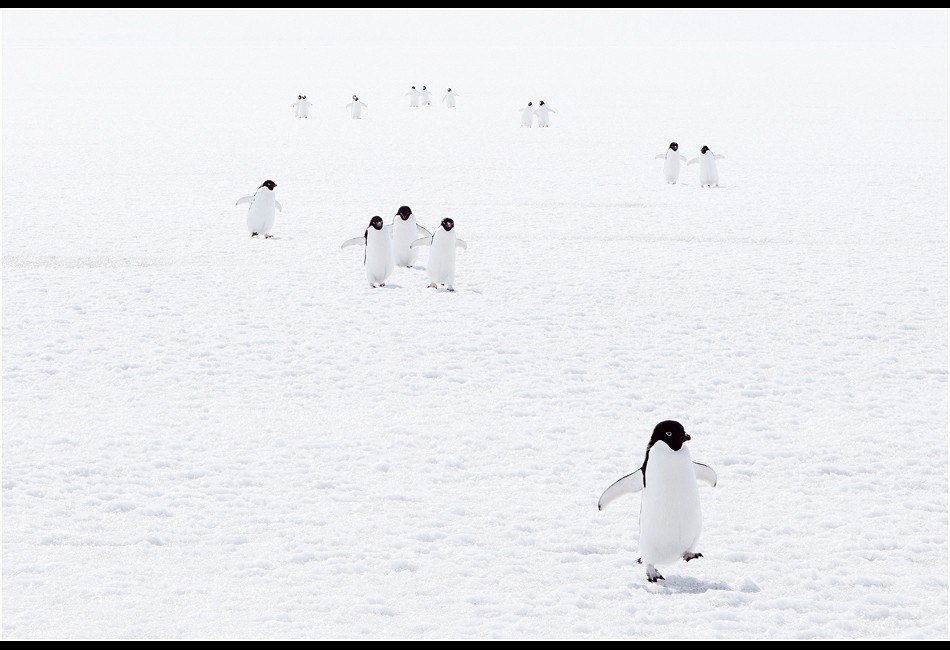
681	585
389	285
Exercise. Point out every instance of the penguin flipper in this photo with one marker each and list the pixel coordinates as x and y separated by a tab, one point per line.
659	156
277	205
627	485
460	243
423	231
683	158
705	474
245	199
356	241
422	241
692	162
719	156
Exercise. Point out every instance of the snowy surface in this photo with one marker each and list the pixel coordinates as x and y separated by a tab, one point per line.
209	435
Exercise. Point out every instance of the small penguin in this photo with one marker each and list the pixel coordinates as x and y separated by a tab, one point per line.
356	108
527	115
260	216
413	95
424	96
708	171
405	231
378	254
670	516
301	106
543	114
441	265
449	99
671	168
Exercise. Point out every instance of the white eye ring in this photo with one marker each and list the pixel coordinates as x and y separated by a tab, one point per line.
668	433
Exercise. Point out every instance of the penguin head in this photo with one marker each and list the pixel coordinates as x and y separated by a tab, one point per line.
304	97
269	185
299	96
671	432
376	223
674	146
448	224
704	149
413	87
449	90
355	98
423	87
541	103
529	103
404	212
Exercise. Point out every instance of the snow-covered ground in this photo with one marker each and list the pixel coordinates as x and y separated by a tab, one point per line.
209	435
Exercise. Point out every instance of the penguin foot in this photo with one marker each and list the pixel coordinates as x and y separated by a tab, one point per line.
652	574
432	286
383	284
450	289
253	234
691	556
267	236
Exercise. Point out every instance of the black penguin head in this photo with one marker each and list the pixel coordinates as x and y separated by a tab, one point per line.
704	149
529	103
671	432
376	222
541	103
355	98
423	87
450	90
299	96
674	146
404	212
269	185
413	87
304	97
448	224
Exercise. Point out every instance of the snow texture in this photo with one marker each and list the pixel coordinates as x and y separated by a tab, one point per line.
208	435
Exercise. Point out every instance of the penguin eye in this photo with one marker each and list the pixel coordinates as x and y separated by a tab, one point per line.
668	433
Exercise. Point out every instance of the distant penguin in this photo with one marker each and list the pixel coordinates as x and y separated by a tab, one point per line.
671	168
301	106
378	254
449	99
424	96
413	97
405	231
708	170
527	115
544	114
670	516
260	216
356	108
441	264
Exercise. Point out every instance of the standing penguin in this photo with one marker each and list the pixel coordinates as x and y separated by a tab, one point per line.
301	106
441	265
527	115
671	168
378	255
260	216
449	99
670	516
708	171
405	231
424	96
356	108
543	114
413	97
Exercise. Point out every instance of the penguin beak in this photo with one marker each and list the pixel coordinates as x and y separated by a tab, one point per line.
687	437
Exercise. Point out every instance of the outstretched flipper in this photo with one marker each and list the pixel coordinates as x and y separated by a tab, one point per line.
277	205
719	156
245	199
422	241
460	243
692	162
356	241
422	231
705	474
683	158
627	485
659	156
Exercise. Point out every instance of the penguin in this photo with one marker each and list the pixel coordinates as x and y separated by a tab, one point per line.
449	99
405	231
670	517
671	168
356	108
413	97
543	114
424	96
378	254
708	171
527	115
260	216
301	106
441	264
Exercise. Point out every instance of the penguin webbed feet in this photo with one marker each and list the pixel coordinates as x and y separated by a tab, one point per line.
691	556
652	574
253	234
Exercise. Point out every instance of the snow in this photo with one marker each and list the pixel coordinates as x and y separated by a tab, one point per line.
207	435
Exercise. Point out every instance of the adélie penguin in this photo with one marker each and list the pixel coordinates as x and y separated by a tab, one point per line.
441	264
670	516
708	170
405	231
671	168
261	215
378	255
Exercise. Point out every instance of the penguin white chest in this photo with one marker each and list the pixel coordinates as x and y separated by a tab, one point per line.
708	170
404	233
379	255
527	117
671	168
260	216
441	264
670	515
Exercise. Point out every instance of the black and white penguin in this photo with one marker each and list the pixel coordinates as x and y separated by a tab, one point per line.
708	170
261	215
441	264
671	168
378	257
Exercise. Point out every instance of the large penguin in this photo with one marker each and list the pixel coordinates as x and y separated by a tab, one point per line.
413	95
378	255
260	216
670	516
405	231
708	170
527	115
441	264
449	99
544	116
671	168
424	96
